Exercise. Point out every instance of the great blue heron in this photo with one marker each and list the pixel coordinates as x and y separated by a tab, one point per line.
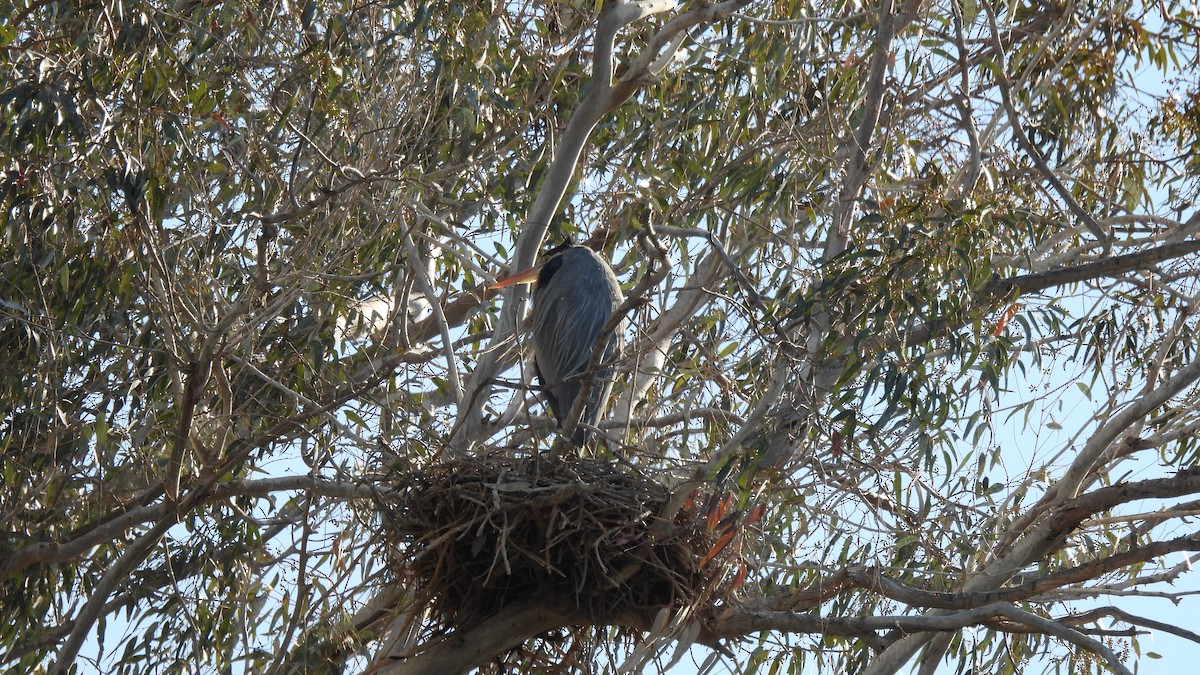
575	293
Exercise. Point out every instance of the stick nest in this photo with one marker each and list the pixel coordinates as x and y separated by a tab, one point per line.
475	535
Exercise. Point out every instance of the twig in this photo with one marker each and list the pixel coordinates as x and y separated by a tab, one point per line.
114	576
426	284
1050	627
282	649
198	372
49	553
650	354
962	101
1133	619
749	620
716	414
1027	144
283	388
1075	477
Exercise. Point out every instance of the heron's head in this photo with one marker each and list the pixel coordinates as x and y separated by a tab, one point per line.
540	273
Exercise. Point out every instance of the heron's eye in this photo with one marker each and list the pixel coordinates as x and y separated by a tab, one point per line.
548	271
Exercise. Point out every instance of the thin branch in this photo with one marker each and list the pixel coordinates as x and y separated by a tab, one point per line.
325	195
342	428
49	553
282	648
464	650
714	414
426	285
1051	627
1023	139
1099	443
1063	518
856	165
1105	268
113	577
873	579
651	352
962	101
1169	576
53	552
643	66
1035	544
198	373
818	372
1001	290
1132	619
746	621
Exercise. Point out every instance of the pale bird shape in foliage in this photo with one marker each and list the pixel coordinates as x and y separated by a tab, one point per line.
369	318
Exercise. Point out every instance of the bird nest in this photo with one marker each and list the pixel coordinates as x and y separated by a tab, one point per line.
477	535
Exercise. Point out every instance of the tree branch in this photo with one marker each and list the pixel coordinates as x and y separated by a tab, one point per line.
426	285
114	576
465	649
873	579
651	353
1036	543
1107	267
744	622
49	553
1026	144
1002	290
1133	619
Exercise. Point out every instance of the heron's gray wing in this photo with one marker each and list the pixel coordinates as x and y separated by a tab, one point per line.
568	315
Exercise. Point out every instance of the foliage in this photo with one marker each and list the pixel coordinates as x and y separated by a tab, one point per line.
931	295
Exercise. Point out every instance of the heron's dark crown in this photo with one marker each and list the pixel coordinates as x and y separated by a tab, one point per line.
548	269
554	261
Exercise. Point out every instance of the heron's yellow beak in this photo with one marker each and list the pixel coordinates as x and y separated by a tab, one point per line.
526	277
